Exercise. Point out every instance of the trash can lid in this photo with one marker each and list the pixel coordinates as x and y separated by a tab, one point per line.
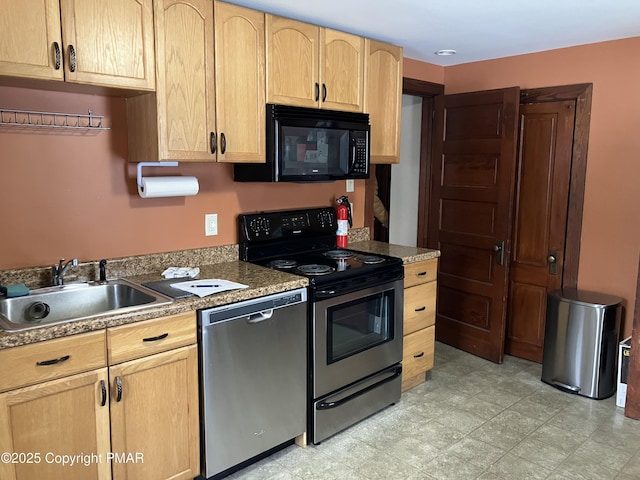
587	297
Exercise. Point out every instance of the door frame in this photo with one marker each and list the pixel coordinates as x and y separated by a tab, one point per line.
582	94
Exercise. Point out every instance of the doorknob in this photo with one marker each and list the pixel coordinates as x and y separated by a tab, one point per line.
552	260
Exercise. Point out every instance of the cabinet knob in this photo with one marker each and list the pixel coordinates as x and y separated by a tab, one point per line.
223	143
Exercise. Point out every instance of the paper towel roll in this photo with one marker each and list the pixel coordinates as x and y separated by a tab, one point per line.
153	187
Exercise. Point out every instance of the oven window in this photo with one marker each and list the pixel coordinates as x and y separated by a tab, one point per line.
358	325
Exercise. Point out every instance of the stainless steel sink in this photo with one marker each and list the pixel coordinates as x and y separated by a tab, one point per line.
73	302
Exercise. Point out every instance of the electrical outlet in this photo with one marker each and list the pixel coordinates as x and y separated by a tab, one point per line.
211	224
350	185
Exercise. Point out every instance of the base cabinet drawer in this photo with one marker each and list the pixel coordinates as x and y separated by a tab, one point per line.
418	356
42	361
419	307
420	272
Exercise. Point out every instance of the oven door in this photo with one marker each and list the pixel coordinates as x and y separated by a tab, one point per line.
355	335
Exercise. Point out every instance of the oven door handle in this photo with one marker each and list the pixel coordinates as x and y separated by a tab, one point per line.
325	293
329	405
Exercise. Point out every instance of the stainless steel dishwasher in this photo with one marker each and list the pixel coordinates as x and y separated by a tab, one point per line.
253	371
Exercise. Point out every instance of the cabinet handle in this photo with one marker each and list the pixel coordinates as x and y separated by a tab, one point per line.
56	49
324	92
421	309
155	339
421	274
223	143
213	142
317	91
118	389
421	354
72	58
53	361
103	391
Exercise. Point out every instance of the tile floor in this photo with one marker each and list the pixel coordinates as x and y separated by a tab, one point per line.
473	419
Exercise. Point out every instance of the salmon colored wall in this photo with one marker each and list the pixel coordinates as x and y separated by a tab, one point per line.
611	220
423	71
65	195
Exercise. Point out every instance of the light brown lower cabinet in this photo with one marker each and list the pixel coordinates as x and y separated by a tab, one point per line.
419	321
136	419
45	427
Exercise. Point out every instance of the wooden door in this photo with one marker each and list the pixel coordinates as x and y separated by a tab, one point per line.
29	35
341	70
67	416
240	83
109	43
156	414
383	99
474	167
186	83
542	196
292	62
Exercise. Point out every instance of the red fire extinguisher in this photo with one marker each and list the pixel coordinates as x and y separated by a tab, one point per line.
343	214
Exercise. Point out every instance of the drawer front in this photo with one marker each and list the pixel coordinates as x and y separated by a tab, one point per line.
419	307
138	340
38	362
420	272
418	352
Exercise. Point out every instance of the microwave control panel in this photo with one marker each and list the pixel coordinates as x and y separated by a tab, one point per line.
359	164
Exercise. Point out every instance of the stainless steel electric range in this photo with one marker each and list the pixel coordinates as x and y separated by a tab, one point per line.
355	313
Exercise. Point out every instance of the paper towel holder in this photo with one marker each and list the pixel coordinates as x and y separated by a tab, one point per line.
152	164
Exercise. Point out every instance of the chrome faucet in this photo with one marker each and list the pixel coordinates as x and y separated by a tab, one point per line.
59	271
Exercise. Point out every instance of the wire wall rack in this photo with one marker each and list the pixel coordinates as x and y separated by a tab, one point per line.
65	121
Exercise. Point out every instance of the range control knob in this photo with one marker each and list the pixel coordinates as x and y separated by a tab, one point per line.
259	227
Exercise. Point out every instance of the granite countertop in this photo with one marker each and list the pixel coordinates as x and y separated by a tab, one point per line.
407	254
215	262
261	281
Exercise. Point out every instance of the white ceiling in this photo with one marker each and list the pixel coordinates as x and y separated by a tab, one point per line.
476	29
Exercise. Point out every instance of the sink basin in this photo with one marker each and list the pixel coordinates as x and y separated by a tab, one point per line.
73	302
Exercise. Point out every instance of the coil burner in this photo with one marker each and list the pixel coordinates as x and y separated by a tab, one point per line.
283	264
369	259
315	269
339	254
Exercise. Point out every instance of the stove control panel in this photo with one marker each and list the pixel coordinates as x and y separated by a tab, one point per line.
285	224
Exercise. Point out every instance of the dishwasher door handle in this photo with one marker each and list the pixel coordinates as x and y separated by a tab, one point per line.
260	317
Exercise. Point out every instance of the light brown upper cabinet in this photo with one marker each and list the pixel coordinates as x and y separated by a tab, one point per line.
383	100
79	41
209	103
311	66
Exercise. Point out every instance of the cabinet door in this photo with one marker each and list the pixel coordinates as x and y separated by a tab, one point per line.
185	87
109	43
292	62
341	70
29	34
68	416
383	100
240	83
156	415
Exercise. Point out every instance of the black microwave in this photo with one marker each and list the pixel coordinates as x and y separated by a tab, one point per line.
311	145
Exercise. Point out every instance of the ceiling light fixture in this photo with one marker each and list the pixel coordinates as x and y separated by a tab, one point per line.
445	52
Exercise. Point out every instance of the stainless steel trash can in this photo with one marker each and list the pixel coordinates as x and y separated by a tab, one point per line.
580	342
